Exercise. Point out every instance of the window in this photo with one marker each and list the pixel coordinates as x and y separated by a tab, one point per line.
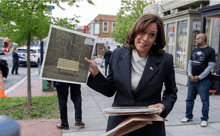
33	51
213	39
25	51
195	31
22	51
113	26
97	28
105	27
213	31
171	37
181	61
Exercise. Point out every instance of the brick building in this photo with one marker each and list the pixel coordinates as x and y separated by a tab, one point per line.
101	26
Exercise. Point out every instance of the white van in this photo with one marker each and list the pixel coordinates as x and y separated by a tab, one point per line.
34	55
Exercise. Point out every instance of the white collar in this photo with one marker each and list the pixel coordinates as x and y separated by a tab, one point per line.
136	57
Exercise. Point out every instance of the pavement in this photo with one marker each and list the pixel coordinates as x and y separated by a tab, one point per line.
96	121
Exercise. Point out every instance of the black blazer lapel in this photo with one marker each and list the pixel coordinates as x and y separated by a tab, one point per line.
150	69
125	71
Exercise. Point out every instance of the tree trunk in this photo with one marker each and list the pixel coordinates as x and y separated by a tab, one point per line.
29	103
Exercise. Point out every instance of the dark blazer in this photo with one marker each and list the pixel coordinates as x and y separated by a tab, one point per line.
15	57
158	70
107	56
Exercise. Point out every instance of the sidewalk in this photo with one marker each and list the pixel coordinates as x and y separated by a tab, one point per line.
96	121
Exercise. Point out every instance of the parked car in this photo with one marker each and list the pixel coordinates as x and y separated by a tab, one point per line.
34	55
2	47
4	67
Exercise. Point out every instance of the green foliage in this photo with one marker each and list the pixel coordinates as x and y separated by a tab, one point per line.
70	2
128	14
27	17
31	17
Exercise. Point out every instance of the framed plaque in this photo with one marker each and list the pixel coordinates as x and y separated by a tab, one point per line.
64	58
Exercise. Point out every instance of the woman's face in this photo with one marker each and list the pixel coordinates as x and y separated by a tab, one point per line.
145	40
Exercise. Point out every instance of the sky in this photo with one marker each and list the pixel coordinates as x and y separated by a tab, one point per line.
87	11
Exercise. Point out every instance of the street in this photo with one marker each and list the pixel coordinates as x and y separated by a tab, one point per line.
11	80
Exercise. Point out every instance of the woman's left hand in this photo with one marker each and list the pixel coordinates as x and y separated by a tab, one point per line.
158	105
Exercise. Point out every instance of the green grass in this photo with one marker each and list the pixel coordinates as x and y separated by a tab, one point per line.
44	107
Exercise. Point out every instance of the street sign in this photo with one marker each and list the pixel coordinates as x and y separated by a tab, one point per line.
151	9
51	7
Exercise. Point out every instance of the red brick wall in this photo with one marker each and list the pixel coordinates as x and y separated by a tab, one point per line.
81	30
99	20
100	47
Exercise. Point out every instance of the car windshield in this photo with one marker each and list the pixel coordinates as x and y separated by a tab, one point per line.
33	51
22	51
25	51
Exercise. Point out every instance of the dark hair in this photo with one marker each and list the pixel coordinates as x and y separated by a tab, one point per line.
140	26
14	48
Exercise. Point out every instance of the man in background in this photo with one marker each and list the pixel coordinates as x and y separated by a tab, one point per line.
15	61
107	57
201	63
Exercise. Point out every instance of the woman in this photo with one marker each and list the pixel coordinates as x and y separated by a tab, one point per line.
137	73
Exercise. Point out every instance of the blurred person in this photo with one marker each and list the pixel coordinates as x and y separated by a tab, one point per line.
107	57
75	95
9	126
15	61
201	63
102	63
137	73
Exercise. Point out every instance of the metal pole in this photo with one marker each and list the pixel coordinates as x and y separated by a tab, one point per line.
41	51
41	56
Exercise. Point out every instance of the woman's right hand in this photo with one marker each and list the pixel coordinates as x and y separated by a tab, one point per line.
93	68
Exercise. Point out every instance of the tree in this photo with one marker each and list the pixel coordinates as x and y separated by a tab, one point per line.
128	14
30	19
